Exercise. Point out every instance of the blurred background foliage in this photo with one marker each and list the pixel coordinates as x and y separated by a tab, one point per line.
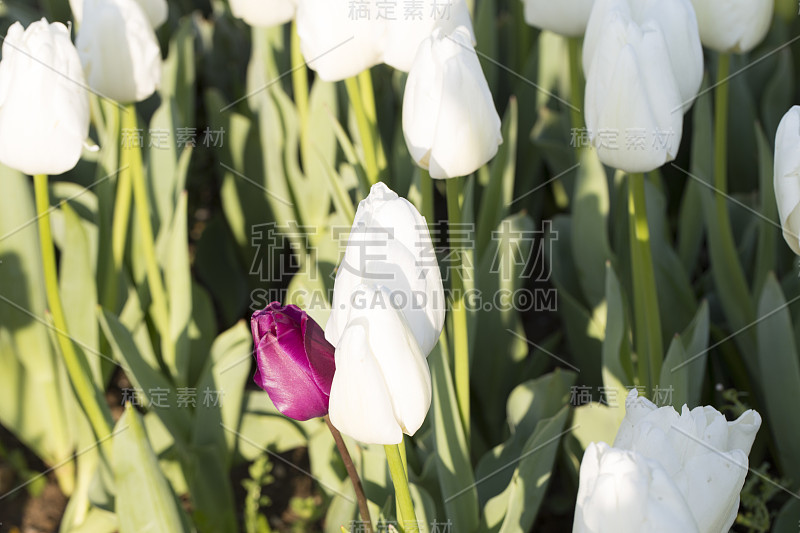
236	464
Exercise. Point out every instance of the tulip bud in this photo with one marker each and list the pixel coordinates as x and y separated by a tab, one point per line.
44	105
157	11
699	451
565	17
787	176
678	24
382	385
294	362
390	245
341	38
733	25
631	91
450	124
119	51
264	13
624	492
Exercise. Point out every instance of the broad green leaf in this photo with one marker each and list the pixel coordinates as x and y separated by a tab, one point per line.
32	404
145	501
532	476
768	234
684	368
779	373
79	292
729	279
591	248
529	404
148	380
617	365
452	454
497	196
222	388
178	278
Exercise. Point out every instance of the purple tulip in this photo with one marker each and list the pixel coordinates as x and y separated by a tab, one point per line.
294	362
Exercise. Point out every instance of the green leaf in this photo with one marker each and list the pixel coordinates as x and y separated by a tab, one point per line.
591	248
216	423
528	405
147	379
768	234
178	277
452	453
532	476
779	373
145	501
32	404
684	368
498	194
79	291
617	365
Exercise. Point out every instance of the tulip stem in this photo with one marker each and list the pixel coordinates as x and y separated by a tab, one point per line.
721	136
86	390
459	311
299	78
647	319
406	517
576	82
365	130
153	273
363	509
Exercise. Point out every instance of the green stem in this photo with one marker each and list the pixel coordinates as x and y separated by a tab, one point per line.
459	311
426	189
119	226
362	99
153	273
405	507
85	389
353	474
645	296
299	77
575	82
721	136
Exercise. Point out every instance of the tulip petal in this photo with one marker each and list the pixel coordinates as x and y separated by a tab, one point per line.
359	402
288	385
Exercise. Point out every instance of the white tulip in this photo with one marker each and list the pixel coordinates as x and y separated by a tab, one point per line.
403	36
624	492
733	25
565	17
787	176
678	24
450	124
340	38
157	11
44	104
632	93
390	245
703	454
382	384
264	13
119	50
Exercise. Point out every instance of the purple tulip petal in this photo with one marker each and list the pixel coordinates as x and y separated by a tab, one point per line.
288	386
295	364
320	355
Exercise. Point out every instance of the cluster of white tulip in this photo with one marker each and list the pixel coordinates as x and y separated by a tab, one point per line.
666	471
387	314
450	122
643	62
45	79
